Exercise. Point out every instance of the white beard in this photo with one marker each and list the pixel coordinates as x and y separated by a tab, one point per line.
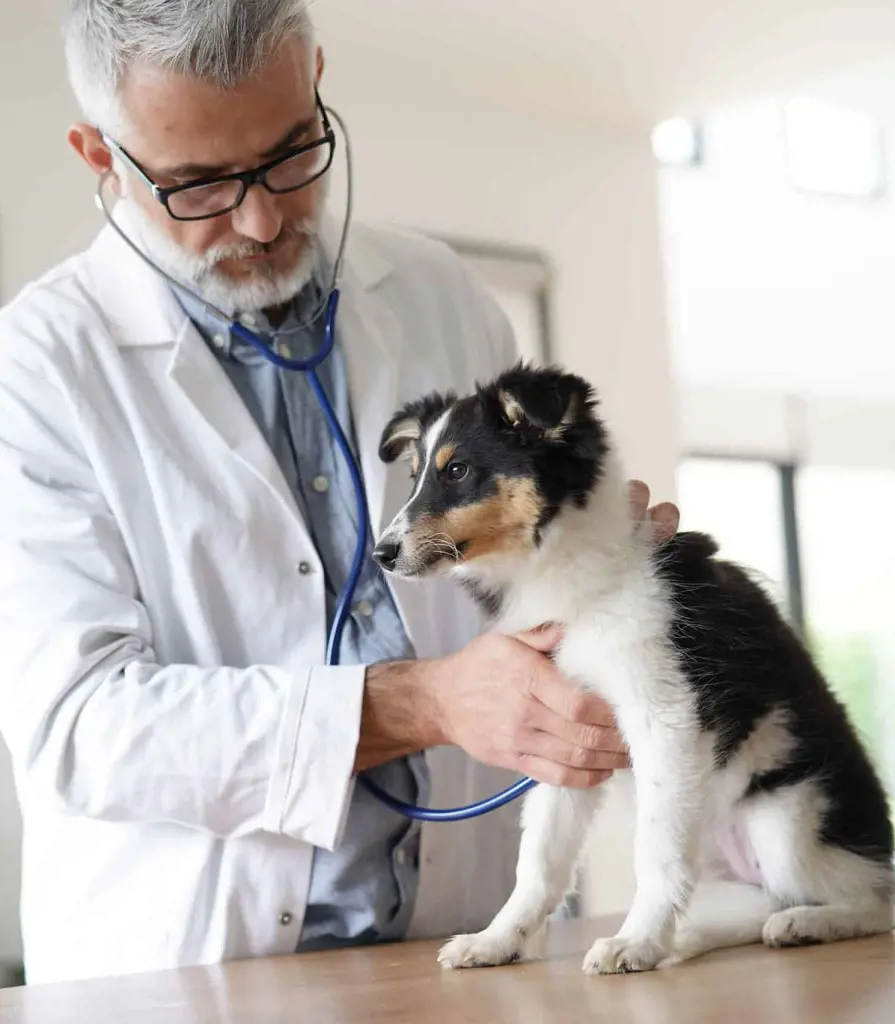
265	288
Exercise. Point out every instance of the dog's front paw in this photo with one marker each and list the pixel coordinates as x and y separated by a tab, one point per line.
480	950
622	956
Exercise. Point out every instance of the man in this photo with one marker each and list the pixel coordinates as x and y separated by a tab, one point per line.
177	525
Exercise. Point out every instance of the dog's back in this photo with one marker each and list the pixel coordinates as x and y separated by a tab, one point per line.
745	664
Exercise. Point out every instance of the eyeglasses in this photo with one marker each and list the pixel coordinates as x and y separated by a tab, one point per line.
213	197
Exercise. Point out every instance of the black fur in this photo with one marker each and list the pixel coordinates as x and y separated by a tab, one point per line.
564	459
490	600
743	661
566	466
740	657
425	411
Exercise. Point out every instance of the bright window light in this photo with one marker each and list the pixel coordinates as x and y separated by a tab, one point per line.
677	142
833	150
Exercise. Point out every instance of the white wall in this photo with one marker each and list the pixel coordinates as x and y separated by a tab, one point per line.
585	198
770	289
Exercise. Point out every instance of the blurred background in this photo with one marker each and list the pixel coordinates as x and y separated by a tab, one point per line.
690	203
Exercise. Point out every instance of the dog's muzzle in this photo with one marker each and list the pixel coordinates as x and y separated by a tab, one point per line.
386	553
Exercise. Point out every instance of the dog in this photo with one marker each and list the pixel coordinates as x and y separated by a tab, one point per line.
745	767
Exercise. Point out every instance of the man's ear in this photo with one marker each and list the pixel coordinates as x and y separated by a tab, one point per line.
87	142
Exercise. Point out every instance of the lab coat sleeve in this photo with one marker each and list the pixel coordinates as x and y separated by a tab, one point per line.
95	725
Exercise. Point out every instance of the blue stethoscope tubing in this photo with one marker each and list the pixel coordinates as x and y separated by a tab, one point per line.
343	610
309	367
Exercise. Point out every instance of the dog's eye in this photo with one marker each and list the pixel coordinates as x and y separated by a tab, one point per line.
456	471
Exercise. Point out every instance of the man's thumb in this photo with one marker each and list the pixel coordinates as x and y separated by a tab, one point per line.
544	639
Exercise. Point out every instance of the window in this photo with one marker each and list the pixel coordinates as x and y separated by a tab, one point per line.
832	150
738	501
812	535
849	585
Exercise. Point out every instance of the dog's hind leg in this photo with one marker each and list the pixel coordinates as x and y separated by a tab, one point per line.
721	914
829	893
803	926
555	824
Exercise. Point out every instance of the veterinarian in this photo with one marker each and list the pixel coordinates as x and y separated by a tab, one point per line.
176	526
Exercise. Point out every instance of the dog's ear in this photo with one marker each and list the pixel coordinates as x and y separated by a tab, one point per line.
405	429
543	404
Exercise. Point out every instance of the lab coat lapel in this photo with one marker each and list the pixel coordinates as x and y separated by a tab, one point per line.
365	324
204	383
141	310
369	334
372	338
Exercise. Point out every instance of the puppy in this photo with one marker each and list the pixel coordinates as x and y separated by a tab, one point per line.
745	766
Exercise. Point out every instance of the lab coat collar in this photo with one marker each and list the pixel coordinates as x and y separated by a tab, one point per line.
124	285
142	310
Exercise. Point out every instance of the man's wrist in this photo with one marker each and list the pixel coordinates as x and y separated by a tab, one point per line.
400	713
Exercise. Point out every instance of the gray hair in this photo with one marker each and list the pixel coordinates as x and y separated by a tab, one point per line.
221	41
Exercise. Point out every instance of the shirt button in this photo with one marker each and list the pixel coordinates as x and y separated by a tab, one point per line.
364	608
285	919
320	484
220	341
248	319
401	857
304	568
284	350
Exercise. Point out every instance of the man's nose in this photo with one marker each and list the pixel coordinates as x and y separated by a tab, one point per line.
386	554
258	216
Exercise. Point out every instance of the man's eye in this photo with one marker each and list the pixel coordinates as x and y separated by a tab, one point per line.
456	471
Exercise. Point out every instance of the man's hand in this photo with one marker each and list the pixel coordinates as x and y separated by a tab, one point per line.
504	702
664	517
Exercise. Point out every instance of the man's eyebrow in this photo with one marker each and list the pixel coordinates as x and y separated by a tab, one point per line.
211	171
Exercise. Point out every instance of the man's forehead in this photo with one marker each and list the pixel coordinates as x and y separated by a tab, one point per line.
174	118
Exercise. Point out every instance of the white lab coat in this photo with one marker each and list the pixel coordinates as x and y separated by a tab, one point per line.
178	748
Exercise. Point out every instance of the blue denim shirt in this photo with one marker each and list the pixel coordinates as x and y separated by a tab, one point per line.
363	891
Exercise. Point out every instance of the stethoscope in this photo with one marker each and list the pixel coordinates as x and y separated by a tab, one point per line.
328	308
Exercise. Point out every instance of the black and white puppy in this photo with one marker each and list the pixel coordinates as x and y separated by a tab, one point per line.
745	766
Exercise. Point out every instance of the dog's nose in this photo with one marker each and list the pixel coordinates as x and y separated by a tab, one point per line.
386	554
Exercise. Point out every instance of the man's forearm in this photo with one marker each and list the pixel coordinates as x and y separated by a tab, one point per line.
399	715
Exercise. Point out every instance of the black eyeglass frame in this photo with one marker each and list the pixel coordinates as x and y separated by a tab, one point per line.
257	175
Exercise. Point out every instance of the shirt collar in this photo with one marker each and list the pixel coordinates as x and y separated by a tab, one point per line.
219	334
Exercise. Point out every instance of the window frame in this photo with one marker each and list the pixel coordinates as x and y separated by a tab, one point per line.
787	475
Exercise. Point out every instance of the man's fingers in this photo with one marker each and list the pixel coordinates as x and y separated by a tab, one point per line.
566	701
553	774
666	518
599	735
608	756
638	499
543	639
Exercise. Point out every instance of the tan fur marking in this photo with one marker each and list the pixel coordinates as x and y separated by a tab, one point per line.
415	461
512	408
444	455
502	523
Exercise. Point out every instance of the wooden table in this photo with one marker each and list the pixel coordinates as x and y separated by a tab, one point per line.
845	983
